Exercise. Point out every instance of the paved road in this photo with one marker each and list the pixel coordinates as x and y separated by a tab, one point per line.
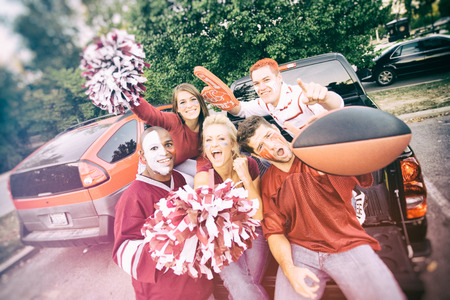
431	141
68	274
433	153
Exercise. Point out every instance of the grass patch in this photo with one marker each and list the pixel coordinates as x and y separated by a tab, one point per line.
405	100
9	236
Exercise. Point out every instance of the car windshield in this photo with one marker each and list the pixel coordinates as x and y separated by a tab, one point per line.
67	147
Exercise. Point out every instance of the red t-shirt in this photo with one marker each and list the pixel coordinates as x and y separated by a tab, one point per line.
312	210
186	141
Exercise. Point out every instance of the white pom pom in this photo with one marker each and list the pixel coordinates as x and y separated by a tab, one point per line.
113	66
192	231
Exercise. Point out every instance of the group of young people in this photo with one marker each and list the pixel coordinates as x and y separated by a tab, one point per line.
308	222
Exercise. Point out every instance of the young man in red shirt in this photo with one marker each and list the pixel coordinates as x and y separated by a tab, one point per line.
311	225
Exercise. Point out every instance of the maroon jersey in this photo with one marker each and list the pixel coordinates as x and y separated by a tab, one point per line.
131	253
313	210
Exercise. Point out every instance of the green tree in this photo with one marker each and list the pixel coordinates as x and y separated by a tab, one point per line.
55	102
12	135
444	8
227	37
53	98
102	16
48	31
409	9
424	14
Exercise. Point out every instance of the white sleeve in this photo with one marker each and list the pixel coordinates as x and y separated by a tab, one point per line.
129	256
253	108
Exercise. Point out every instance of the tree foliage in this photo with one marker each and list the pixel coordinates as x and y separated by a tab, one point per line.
41	110
55	102
102	16
49	96
227	37
48	31
444	8
11	135
425	12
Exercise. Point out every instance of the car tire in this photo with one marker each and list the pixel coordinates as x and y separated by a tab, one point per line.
386	77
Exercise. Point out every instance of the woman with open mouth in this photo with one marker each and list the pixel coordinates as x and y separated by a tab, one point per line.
241	278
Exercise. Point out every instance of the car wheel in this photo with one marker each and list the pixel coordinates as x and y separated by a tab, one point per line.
386	77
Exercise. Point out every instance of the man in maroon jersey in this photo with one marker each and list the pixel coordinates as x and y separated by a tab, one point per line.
157	152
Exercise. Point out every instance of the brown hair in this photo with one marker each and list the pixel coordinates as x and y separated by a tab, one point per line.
186	87
265	62
247	130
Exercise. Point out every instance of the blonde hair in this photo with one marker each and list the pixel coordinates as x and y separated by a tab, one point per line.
220	119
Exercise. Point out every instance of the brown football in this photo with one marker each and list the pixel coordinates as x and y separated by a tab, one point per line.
352	140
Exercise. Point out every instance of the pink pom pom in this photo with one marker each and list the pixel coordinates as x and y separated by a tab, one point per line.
113	66
203	230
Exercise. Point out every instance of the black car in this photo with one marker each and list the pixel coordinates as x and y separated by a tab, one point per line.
396	211
412	56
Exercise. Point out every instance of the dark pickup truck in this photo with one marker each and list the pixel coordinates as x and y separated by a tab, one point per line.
396	205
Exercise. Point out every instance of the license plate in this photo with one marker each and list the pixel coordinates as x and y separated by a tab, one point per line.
58	219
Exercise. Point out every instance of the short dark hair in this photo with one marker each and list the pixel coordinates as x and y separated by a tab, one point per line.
247	130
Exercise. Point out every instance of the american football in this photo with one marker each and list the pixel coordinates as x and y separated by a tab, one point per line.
352	140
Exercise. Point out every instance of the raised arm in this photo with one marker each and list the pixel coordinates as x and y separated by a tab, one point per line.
219	94
235	110
153	116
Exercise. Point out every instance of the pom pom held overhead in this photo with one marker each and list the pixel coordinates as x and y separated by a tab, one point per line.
113	66
353	140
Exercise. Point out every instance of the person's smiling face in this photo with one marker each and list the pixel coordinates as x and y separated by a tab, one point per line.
159	152
188	105
267	85
217	145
